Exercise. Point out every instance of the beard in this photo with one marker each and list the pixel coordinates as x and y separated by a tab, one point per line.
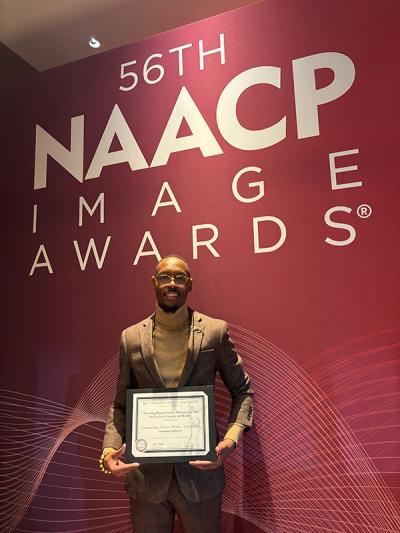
170	308
167	309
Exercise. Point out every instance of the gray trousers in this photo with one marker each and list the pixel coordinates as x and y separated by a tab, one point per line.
195	517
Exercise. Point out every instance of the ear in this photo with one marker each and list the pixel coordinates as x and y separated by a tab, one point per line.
189	284
153	282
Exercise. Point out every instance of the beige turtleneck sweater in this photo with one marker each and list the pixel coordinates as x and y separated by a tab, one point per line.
171	338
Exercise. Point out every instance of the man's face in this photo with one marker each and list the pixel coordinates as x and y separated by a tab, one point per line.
172	293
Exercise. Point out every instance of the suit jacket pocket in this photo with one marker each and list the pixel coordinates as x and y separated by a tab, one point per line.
205	368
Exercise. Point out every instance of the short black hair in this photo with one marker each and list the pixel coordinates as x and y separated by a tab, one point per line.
178	257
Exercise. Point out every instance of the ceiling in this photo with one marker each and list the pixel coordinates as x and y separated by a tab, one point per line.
48	33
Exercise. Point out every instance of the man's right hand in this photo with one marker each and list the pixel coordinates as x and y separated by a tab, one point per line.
116	466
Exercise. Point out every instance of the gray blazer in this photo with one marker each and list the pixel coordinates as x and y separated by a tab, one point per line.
210	350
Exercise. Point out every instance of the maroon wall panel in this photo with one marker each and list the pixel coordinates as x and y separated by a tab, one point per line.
272	165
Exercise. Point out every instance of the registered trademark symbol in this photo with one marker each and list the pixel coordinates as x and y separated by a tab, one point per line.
364	211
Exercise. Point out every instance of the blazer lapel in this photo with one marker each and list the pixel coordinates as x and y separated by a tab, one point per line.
147	349
194	345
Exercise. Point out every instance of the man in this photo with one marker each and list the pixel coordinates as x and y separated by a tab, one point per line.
176	347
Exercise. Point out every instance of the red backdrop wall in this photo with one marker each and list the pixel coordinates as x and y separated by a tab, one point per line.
302	259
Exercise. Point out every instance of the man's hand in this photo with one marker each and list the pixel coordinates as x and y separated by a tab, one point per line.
117	467
223	449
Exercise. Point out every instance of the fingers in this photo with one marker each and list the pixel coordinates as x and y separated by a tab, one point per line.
223	453
226	444
225	448
122	469
119	452
116	466
206	465
220	448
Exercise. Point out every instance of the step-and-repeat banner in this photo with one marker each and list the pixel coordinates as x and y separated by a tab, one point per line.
262	145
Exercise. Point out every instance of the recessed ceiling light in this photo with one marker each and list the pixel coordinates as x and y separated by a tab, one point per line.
94	43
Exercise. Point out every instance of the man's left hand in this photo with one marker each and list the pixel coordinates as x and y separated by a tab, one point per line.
223	449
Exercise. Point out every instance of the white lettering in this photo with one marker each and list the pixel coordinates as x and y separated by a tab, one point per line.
130	152
83	203
71	160
180	49
92	247
202	137
258	184
228	123
45	263
308	98
221	50
208	242
147	237
256	237
335	170
165	187
34	221
329	222
147	69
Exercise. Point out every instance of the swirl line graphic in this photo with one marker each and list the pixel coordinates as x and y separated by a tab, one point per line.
318	460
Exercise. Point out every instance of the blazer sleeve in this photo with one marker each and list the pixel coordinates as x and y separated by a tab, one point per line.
115	431
236	380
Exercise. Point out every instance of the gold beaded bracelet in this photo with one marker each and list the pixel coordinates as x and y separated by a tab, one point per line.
102	465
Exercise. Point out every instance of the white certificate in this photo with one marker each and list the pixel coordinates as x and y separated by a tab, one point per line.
169	425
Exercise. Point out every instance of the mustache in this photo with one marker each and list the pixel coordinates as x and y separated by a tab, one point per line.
172	289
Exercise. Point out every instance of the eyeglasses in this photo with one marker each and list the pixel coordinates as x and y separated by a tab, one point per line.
165	279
